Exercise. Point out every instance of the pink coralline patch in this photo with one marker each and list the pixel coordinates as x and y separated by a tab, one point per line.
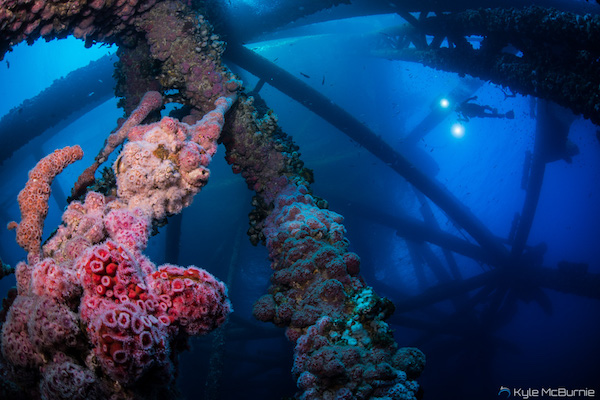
185	44
306	381
46	30
252	150
352	262
311	268
31	27
299	213
215	77
265	308
326	362
161	40
217	89
21	20
367	372
38	5
97	4
82	33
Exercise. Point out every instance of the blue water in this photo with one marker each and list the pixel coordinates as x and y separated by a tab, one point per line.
482	169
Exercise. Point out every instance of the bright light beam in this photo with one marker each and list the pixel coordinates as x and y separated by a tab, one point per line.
444	103
458	130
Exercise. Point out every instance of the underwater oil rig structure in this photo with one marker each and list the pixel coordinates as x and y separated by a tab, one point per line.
125	320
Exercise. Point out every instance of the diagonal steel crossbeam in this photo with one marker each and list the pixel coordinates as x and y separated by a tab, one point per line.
353	128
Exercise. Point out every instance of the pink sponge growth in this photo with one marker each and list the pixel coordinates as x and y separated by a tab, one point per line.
52	325
127	340
35	325
16	344
130	228
120	315
91	275
50	279
64	379
82	227
109	271
195	301
164	164
33	199
131	310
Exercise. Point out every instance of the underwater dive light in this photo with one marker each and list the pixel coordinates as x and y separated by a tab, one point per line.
458	130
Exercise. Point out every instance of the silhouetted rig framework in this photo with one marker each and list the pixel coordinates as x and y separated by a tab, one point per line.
181	56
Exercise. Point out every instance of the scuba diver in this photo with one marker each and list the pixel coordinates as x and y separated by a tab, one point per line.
468	110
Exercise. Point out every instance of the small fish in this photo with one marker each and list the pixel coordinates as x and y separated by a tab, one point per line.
275	60
7	64
323	81
304	75
91	94
118	164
